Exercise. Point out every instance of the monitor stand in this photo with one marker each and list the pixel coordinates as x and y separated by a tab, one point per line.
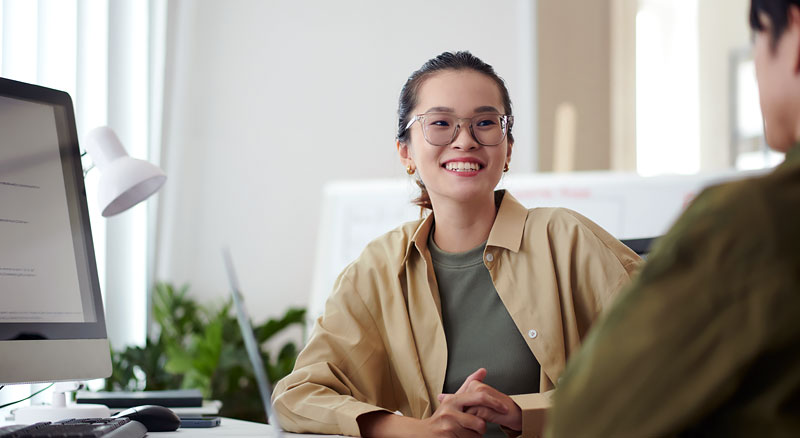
59	409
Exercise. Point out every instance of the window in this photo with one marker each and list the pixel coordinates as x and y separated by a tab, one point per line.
667	98
103	54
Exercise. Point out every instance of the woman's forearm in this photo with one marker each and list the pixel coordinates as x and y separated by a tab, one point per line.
385	424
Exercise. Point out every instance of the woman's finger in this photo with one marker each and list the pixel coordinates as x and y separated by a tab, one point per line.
478	375
471	423
463	401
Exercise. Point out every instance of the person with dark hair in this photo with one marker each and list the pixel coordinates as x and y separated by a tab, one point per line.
462	320
706	340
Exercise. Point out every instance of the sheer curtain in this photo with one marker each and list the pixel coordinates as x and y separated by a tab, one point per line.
109	56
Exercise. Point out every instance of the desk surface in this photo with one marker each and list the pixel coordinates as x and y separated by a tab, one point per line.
230	428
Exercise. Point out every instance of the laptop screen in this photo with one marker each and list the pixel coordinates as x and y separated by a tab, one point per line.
253	350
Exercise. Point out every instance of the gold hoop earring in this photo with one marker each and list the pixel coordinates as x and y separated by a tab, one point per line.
505	168
410	170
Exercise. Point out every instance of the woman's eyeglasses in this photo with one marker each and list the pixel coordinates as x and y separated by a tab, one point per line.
440	129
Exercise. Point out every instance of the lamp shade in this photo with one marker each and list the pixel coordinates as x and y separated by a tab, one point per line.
124	181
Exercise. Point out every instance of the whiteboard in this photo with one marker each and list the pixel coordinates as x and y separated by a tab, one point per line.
625	204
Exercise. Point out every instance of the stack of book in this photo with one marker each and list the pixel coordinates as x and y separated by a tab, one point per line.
181	401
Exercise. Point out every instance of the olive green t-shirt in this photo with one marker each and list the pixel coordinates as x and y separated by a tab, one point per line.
479	330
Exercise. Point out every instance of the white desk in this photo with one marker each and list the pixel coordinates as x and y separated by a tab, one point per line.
229	428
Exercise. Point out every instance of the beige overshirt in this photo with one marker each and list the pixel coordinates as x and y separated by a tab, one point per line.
380	344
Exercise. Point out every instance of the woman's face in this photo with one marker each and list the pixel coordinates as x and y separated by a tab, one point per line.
463	171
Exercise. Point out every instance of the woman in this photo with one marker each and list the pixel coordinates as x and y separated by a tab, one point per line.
444	317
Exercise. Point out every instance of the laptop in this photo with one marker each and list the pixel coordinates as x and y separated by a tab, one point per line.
253	352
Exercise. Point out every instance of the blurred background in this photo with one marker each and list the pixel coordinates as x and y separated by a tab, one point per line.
252	106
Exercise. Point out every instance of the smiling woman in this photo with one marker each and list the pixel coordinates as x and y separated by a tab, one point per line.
462	320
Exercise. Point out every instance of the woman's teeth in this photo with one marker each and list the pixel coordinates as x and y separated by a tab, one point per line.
460	166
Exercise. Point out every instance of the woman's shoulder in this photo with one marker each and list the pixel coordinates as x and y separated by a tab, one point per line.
555	219
535	226
574	230
541	217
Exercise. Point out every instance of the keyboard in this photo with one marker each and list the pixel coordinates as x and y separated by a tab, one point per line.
78	428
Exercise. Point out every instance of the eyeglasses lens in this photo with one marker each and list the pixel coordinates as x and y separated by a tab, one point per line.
487	129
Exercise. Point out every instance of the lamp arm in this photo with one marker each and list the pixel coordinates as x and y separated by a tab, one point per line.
86	169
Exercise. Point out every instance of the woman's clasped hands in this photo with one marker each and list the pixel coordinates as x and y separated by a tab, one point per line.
460	415
465	413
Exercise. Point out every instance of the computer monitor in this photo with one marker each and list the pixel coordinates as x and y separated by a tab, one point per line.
640	246
52	326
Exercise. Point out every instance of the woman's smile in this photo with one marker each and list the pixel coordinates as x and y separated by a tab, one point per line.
463	166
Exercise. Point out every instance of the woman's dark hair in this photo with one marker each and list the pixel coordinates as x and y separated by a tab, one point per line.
778	13
408	96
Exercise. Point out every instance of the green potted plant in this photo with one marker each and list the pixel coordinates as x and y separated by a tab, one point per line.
201	347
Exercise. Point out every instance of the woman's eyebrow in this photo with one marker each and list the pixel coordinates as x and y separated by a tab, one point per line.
440	109
445	109
486	109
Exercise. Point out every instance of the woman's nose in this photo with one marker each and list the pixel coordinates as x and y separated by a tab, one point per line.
464	139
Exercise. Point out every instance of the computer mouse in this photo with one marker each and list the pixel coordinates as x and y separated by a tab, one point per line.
155	418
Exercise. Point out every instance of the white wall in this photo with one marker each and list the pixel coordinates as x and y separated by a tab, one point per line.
268	100
723	27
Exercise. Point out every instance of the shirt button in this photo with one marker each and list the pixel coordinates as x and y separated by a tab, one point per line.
532	334
489	257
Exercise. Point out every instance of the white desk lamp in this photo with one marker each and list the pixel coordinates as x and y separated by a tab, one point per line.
125	181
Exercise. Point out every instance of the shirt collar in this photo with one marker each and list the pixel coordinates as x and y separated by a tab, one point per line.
419	238
509	223
506	231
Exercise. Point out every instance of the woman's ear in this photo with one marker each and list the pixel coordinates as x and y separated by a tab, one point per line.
405	154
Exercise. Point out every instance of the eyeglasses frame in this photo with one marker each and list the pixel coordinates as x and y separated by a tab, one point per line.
506	122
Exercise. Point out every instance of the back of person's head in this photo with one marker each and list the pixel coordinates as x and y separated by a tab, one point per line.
462	60
776	10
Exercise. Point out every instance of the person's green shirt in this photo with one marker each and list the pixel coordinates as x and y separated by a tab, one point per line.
706	340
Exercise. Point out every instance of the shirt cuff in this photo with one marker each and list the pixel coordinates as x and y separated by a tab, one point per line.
534	413
347	416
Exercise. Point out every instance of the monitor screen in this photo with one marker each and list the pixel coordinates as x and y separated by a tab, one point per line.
51	319
640	246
